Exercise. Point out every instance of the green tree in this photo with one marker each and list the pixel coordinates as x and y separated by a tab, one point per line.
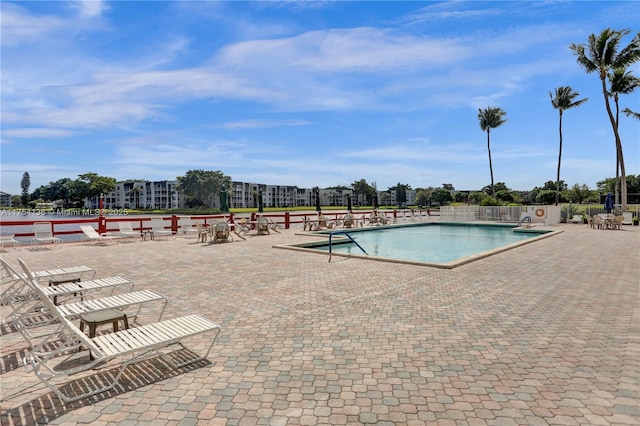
504	195
58	190
441	196
25	183
362	188
95	185
601	54
477	197
623	82
78	191
401	193
563	100
203	185
546	196
579	193
499	186
631	114
490	118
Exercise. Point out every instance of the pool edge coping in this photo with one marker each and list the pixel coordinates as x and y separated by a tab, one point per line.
544	232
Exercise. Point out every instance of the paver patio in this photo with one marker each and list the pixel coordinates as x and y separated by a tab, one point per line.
547	334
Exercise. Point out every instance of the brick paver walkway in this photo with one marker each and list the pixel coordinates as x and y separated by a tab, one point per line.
547	334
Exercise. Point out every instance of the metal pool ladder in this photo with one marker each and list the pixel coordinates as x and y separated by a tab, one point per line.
332	233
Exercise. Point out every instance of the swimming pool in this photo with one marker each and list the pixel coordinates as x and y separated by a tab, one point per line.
440	245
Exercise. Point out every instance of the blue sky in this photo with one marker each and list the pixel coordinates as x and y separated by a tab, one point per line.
306	93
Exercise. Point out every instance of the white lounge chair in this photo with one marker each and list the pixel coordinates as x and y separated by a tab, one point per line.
125	230
93	235
130	346
127	305
158	229
8	239
43	234
188	227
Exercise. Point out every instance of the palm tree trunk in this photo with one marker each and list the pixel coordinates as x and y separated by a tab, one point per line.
614	125
559	160
493	190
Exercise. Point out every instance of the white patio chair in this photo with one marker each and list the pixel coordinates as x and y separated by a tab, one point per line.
188	227
125	230
221	232
8	239
43	234
158	229
273	225
92	235
242	227
130	346
262	226
26	317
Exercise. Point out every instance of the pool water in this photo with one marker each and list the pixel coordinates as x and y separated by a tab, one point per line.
430	243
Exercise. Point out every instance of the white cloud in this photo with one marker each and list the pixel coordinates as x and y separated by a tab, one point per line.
18	26
90	8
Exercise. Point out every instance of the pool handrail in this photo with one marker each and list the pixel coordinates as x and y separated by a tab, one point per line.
332	233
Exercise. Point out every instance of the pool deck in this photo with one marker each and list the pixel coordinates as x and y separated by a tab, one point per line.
546	334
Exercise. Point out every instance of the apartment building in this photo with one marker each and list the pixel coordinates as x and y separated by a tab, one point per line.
164	195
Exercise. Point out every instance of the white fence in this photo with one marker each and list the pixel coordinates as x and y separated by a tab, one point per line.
545	215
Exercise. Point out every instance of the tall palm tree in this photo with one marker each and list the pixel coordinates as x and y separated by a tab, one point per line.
631	114
490	118
563	100
623	82
601	55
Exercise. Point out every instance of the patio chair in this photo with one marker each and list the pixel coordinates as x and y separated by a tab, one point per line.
263	226
188	227
598	222
242	227
8	239
348	221
125	230
576	219
43	234
273	225
126	305
129	346
221	232
17	297
93	235
158	229
203	232
617	222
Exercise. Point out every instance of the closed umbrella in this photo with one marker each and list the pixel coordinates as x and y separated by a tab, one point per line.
260	202
318	202
348	202
608	202
375	201
224	206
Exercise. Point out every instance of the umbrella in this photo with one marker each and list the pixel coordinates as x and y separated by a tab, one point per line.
375	201
260	202
349	202
224	207
318	202
608	203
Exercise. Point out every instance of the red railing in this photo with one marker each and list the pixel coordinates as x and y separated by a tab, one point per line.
106	224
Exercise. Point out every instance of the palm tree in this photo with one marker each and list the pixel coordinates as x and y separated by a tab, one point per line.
490	118
631	114
622	82
601	55
563	100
